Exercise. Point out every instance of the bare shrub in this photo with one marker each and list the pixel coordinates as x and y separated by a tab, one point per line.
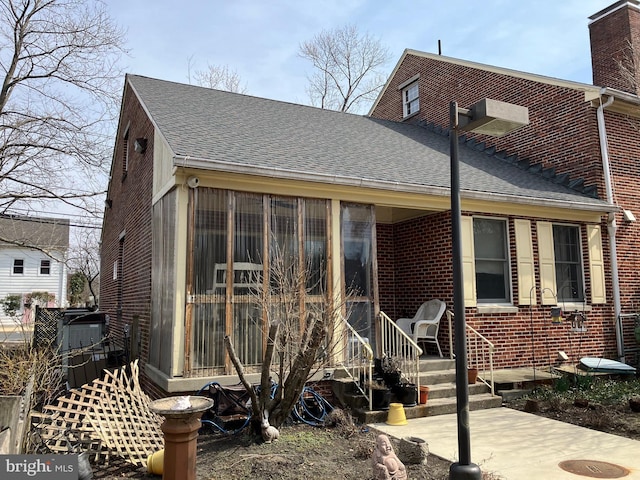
342	421
22	366
303	336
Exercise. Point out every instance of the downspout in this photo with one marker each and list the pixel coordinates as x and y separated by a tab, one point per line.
611	222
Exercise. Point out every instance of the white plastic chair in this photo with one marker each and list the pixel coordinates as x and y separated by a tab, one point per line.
424	325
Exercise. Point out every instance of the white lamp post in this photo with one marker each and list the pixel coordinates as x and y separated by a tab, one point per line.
489	117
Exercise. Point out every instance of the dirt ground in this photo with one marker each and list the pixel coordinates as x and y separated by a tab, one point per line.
615	419
344	451
341	452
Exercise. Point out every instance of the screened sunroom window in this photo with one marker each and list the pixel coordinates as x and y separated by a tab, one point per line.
236	237
248	242
208	288
163	282
315	245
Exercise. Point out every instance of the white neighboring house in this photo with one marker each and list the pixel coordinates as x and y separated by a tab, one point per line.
39	267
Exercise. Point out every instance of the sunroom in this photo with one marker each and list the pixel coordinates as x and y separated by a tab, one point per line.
207	263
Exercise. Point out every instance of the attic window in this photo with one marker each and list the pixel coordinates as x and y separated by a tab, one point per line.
410	100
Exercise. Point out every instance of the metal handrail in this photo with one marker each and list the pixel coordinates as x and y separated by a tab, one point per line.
478	348
395	342
359	358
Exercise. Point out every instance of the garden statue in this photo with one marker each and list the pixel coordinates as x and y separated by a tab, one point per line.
386	465
269	432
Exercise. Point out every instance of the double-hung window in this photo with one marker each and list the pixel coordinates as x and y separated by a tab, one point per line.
410	99
18	266
490	245
562	263
45	267
568	262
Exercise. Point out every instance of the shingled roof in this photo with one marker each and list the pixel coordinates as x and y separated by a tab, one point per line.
223	131
45	233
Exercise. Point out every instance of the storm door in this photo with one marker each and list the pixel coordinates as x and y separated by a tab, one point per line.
358	247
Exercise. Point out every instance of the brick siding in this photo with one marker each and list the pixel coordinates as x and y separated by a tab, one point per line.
614	37
421	253
130	213
563	135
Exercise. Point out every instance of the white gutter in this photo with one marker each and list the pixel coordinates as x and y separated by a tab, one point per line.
189	162
611	222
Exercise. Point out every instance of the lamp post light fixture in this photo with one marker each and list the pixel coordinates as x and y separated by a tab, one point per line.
495	118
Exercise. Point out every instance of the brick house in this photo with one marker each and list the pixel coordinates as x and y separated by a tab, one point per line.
203	182
580	134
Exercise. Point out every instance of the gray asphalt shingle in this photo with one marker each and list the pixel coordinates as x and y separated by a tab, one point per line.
251	132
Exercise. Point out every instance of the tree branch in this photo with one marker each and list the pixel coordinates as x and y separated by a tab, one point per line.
255	406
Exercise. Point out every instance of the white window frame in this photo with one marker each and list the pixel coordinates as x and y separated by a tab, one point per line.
47	266
580	296
506	262
13	267
410	99
548	279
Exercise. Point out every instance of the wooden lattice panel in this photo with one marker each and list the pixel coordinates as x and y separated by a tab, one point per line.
109	416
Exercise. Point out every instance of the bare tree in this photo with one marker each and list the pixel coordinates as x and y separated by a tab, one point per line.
347	68
58	101
628	63
84	263
217	76
302	337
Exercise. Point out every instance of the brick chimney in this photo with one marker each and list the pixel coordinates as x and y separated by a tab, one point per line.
615	46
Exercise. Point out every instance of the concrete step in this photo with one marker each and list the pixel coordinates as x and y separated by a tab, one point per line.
448	389
443	406
436	363
442	394
433	377
438	406
514	393
438	393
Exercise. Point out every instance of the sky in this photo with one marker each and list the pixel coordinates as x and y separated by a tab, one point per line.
260	39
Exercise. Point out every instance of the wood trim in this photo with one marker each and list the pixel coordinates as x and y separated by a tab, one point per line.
526	274
596	264
546	254
191	208
409	82
228	326
468	263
